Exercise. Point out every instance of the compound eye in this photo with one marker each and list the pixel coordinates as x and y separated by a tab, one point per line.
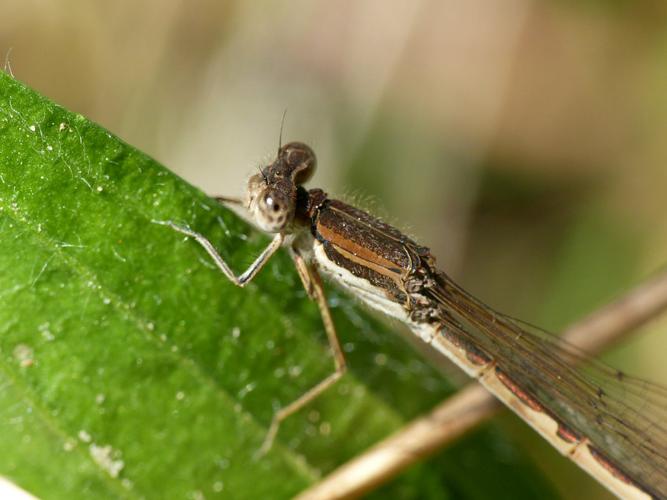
272	204
301	160
275	211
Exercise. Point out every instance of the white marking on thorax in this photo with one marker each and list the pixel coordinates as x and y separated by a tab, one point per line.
370	294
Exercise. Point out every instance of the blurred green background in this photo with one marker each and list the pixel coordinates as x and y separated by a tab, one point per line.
524	141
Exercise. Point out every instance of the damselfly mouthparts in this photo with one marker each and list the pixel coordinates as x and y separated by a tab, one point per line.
612	425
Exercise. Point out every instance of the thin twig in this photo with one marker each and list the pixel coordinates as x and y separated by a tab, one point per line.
474	405
605	327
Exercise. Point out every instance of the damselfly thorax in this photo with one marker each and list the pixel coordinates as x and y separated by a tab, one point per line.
599	417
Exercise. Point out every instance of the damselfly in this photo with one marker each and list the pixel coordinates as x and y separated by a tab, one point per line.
612	425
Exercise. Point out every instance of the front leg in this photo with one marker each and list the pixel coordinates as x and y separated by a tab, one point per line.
242	279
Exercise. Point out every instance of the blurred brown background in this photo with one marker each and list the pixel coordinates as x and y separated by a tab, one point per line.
524	141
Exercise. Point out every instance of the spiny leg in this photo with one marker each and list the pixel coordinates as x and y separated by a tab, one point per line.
313	284
304	273
242	279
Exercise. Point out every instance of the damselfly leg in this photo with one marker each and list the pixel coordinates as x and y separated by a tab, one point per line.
315	290
313	284
242	279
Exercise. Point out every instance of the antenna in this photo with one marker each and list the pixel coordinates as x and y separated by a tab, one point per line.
280	136
263	174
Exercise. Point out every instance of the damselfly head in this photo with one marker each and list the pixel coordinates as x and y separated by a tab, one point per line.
271	195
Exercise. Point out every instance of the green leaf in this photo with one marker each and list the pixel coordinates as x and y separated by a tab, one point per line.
130	367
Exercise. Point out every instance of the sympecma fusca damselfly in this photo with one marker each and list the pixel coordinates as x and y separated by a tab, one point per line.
612	425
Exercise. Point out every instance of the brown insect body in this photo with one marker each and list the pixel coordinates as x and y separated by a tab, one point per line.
606	429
